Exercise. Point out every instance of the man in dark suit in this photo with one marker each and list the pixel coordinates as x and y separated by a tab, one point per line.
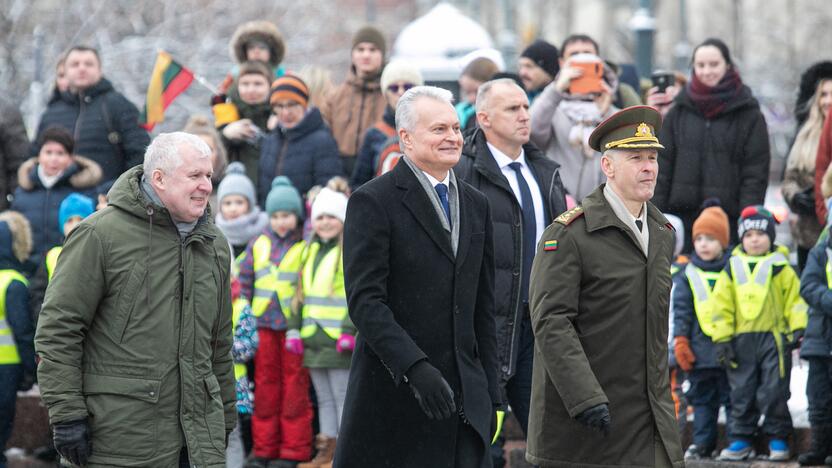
525	193
419	273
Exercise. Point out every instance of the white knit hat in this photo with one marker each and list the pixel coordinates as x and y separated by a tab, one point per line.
400	70
330	202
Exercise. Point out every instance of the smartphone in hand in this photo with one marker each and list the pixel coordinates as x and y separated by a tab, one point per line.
662	80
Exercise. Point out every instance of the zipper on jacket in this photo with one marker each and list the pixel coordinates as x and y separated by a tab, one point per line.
280	155
360	118
82	106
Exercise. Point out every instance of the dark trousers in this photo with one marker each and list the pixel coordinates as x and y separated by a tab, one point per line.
519	386
819	391
183	458
708	391
757	387
10	375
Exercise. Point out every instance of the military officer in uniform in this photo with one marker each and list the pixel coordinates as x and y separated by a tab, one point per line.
600	287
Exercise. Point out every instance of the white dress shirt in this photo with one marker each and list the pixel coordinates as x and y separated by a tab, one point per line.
537	198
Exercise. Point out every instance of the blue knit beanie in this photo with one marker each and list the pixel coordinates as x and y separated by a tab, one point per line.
284	197
236	182
74	205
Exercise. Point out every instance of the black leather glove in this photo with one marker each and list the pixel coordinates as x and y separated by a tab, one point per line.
803	203
431	390
797	338
597	417
725	354
26	382
72	441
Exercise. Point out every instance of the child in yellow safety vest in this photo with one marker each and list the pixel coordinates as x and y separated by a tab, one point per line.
74	209
17	353
758	320
323	331
281	426
693	349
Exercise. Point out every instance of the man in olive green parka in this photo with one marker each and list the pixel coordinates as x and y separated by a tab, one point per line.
135	332
600	287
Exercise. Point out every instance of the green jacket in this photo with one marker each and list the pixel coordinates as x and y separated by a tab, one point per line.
135	335
599	311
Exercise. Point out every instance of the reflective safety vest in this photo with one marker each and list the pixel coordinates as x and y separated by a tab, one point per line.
288	273
752	287
324	297
236	311
700	286
8	347
52	260
271	283
828	268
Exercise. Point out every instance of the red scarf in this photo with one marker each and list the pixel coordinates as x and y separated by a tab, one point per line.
712	100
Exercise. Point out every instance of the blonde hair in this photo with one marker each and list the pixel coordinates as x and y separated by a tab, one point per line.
319	81
805	148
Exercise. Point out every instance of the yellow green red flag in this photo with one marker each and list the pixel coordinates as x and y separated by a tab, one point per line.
169	79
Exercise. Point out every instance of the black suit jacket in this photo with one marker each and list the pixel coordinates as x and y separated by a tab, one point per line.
412	299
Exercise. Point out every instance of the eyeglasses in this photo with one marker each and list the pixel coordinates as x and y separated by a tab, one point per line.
395	88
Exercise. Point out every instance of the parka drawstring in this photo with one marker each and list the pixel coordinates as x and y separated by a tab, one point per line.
149	212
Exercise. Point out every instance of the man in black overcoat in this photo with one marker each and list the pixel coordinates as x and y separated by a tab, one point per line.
419	274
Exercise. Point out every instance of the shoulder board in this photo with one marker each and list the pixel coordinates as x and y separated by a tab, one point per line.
567	217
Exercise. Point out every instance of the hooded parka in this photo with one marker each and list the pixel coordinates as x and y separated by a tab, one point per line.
599	309
135	335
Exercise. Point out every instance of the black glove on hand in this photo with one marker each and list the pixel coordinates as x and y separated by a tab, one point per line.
26	382
803	203
72	441
725	354
431	390
597	417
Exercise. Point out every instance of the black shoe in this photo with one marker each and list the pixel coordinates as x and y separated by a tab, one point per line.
283	464
818	448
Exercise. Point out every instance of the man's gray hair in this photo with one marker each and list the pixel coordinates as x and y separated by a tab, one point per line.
163	151
485	90
406	115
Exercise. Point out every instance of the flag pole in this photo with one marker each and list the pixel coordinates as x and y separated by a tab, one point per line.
206	84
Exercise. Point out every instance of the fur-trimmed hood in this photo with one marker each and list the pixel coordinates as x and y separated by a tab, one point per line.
808	83
83	173
264	31
20	244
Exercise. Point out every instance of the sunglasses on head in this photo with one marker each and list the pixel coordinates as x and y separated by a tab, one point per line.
395	88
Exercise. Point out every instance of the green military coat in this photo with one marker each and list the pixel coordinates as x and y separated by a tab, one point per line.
135	335
599	311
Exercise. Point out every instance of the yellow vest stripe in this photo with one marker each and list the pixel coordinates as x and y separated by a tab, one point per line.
702	304
325	300
8	347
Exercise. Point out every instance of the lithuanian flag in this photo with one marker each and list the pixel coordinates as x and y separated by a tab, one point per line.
168	81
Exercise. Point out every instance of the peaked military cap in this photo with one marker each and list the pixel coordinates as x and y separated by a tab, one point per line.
633	127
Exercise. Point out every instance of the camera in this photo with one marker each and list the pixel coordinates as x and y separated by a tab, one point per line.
662	80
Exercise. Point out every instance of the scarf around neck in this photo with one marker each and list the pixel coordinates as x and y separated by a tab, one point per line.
240	231
711	101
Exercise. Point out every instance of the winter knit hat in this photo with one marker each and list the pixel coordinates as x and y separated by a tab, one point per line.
714	222
290	87
371	35
330	202
236	182
544	55
284	197
74	205
399	70
759	218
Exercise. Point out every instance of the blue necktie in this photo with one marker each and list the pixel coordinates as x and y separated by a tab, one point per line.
529	227
442	191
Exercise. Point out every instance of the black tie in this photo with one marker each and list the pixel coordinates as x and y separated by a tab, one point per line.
529	227
638	225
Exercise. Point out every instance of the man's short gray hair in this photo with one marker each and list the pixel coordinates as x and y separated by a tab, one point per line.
163	151
406	115
485	90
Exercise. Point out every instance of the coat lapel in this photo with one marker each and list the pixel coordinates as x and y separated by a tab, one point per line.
417	201
465	204
657	224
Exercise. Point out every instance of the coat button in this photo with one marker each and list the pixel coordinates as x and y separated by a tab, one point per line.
504	368
152	394
456	309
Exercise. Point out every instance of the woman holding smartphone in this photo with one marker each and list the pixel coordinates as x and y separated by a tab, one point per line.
716	143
